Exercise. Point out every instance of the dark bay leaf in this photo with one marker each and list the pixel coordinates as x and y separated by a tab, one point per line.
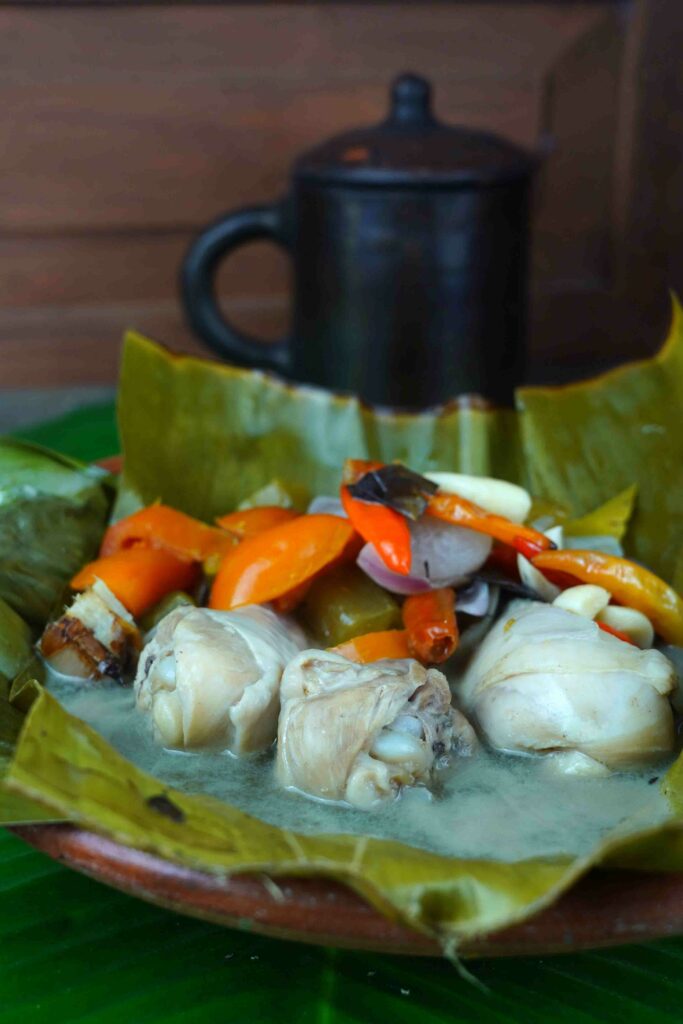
396	487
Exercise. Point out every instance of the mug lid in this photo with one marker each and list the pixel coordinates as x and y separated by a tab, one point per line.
412	147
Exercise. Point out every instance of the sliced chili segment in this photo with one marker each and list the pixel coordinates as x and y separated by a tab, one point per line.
160	526
139	576
276	562
387	643
386	530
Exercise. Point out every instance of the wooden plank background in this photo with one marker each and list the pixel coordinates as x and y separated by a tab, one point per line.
124	129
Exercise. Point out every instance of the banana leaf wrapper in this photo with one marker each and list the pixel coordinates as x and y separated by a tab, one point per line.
52	513
203	438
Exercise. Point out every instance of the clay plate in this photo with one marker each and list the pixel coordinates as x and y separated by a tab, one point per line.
606	908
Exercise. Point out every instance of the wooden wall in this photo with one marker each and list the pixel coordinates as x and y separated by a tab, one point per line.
124	129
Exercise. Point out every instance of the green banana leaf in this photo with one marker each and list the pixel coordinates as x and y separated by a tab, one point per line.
585	442
15	641
52	513
203	438
151	966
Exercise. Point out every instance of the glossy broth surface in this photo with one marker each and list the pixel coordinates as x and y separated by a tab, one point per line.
488	806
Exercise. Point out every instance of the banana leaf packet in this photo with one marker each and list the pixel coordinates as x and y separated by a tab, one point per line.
204	437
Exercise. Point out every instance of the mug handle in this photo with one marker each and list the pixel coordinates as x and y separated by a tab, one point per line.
199	291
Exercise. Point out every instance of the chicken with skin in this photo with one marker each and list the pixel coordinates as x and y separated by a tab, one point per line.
546	680
360	732
211	679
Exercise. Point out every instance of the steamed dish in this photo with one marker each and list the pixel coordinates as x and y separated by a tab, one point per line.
379	643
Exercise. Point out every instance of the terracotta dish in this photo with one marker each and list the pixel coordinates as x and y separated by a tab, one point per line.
607	908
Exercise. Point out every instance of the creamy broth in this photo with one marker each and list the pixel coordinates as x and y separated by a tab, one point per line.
488	806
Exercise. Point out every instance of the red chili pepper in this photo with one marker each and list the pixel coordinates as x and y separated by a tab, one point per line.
431	625
451	508
628	583
386	530
616	632
503	559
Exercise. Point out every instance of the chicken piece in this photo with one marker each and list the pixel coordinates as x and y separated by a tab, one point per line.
96	637
359	732
212	679
546	679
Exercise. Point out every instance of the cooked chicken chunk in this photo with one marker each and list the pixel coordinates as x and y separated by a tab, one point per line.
359	732
546	679
212	679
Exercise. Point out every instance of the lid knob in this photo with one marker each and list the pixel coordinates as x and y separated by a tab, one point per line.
411	100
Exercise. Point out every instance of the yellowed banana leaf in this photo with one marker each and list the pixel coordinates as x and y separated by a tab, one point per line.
584	443
204	437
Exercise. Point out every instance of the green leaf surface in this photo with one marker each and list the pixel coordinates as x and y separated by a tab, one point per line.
15	641
72	951
248	429
52	514
586	442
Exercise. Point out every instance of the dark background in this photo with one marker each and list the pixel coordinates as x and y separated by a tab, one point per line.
125	127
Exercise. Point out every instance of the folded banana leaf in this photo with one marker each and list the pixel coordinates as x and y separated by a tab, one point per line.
583	443
52	512
204	437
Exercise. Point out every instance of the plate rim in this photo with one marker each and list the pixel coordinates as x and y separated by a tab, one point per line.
607	907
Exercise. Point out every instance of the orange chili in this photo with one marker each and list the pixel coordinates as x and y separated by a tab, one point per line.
139	576
273	563
385	529
387	643
616	632
250	521
451	508
628	583
431	625
160	526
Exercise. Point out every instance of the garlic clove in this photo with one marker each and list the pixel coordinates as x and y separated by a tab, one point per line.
586	599
534	579
633	623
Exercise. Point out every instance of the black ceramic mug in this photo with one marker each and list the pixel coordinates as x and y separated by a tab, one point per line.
409	245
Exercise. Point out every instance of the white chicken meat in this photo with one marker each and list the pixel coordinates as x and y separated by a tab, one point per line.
546	680
212	678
